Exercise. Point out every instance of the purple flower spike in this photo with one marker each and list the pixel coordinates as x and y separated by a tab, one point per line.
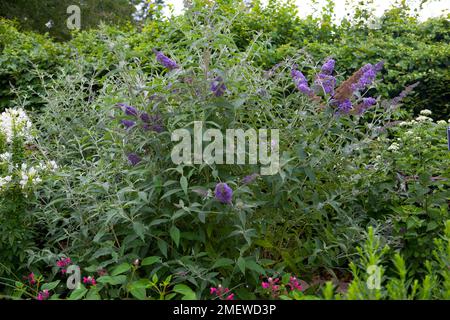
165	61
223	193
250	178
325	83
379	66
369	74
134	159
145	117
368	102
345	106
128	123
328	67
129	110
300	82
218	87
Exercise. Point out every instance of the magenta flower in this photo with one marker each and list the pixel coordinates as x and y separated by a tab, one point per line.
43	295
223	193
294	284
63	263
89	281
222	293
31	278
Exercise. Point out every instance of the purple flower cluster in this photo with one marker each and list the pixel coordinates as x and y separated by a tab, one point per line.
368	76
341	98
250	178
345	106
134	159
218	87
127	123
223	193
324	80
403	94
300	82
129	110
153	122
165	61
150	122
328	67
325	83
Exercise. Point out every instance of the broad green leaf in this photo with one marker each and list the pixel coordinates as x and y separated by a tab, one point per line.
222	262
78	294
241	264
50	285
162	245
93	294
122	268
139	293
112	280
150	260
185	291
175	235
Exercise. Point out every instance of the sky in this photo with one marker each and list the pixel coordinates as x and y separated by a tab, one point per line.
431	9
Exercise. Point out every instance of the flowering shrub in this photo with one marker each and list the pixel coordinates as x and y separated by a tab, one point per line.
349	159
19	177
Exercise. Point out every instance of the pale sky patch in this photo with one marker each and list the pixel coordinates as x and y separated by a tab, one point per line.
433	8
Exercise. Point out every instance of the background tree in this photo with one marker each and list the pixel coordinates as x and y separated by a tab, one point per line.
51	15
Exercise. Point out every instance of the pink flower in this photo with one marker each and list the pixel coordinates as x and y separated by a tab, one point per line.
230	297
271	285
89	281
31	278
43	295
222	293
62	263
294	284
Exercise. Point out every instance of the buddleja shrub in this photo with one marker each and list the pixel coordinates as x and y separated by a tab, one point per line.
19	177
121	198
